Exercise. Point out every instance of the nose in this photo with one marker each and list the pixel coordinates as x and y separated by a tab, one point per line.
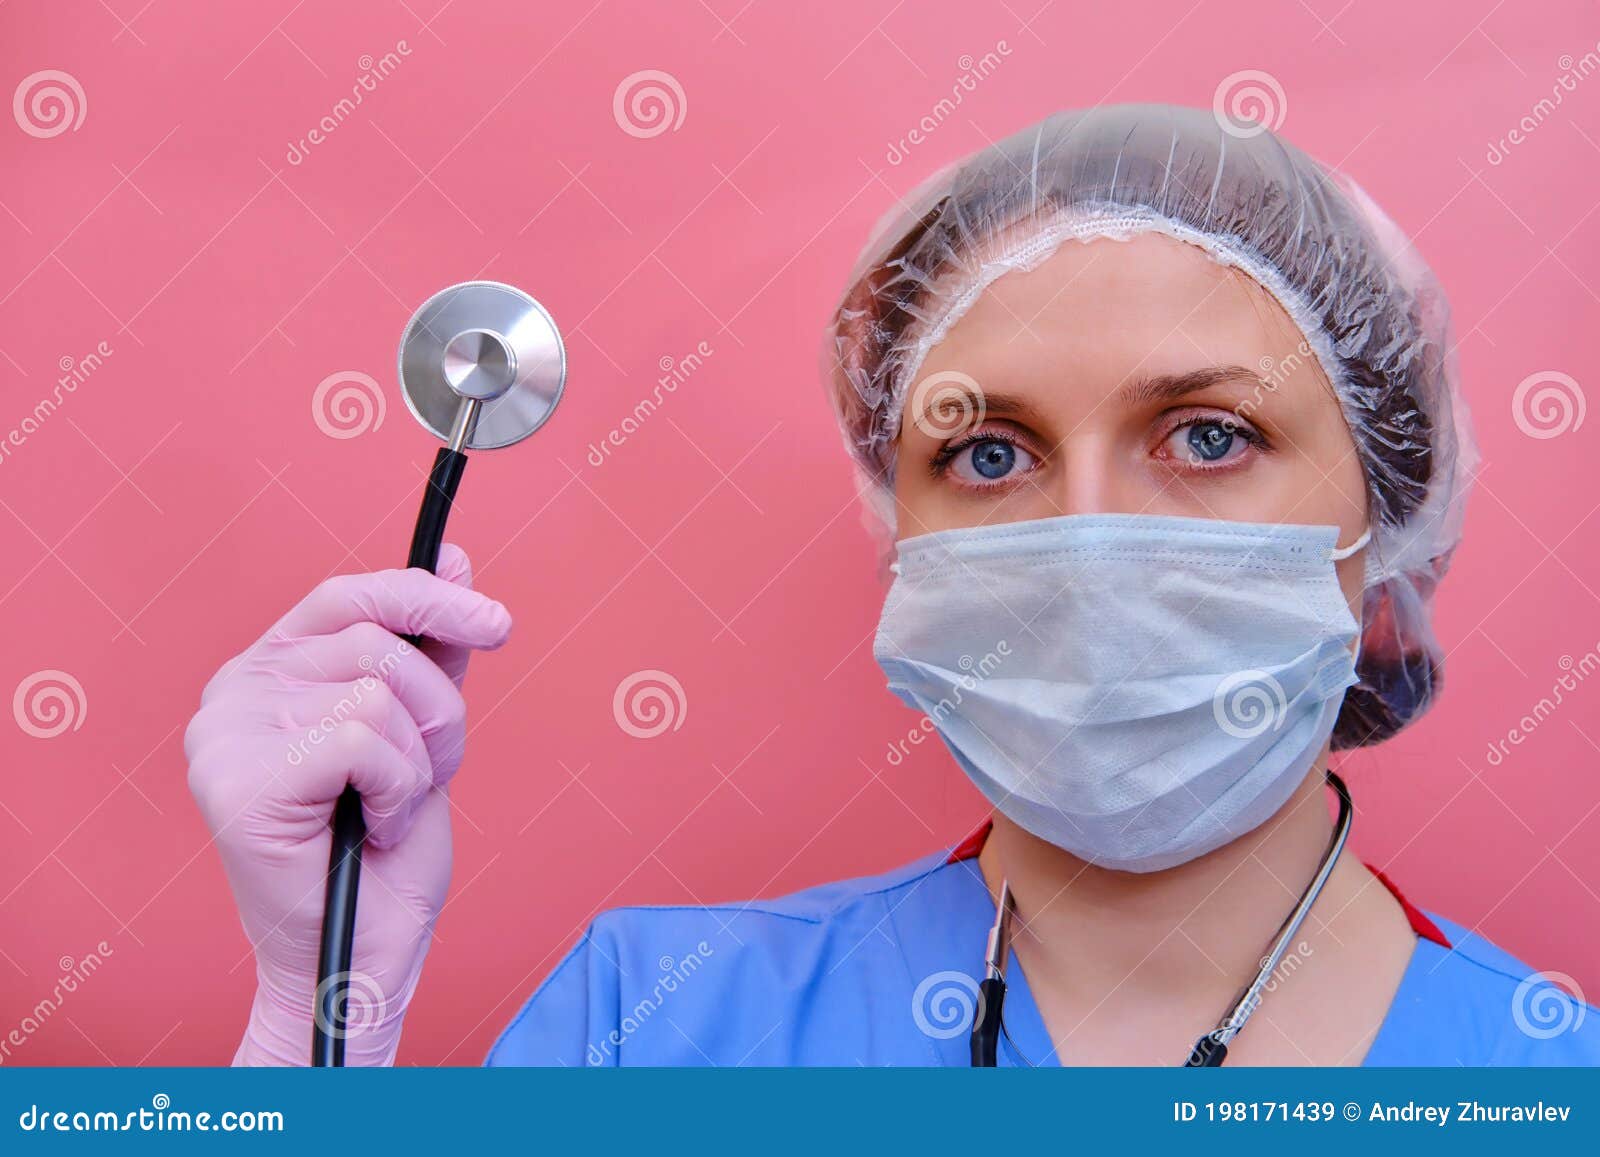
1091	479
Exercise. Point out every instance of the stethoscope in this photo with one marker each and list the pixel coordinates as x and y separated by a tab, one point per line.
1211	1050
481	366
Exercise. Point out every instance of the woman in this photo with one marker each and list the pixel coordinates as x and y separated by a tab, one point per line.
1165	420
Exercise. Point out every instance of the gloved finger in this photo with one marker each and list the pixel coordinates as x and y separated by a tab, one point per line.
354	754
429	696
316	710
455	567
407	602
260	662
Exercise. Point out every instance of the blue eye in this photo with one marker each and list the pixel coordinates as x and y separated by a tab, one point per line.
1210	441
989	460
993	459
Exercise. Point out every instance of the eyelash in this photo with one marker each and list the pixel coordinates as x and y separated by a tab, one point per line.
946	456
1189	418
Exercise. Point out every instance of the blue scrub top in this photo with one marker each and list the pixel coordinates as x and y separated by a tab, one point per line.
883	970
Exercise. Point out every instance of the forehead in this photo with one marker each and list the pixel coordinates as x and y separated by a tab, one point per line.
1151	304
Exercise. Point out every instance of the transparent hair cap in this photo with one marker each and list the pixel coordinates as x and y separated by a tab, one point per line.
1369	308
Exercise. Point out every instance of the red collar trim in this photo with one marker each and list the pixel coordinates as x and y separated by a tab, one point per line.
1420	923
969	848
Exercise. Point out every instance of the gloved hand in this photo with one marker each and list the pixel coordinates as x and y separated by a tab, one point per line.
330	696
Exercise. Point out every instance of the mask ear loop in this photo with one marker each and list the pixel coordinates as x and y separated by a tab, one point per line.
1338	554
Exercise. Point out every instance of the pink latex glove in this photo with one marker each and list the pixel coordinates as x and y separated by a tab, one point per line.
332	695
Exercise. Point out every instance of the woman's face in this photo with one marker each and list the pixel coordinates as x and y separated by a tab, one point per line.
1127	377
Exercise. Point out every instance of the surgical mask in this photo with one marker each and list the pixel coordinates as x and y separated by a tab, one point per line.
1137	690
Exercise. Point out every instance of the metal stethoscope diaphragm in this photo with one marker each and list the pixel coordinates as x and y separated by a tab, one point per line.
481	366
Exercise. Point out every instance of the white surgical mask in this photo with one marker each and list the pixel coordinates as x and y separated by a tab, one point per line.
1138	690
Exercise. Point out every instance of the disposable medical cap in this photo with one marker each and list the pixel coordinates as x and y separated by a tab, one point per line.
1370	311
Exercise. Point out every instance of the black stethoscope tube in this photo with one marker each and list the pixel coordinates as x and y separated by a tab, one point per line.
986	1028
349	829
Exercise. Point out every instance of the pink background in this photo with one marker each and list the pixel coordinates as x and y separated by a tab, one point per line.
185	494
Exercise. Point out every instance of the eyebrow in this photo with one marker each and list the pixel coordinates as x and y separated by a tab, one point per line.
1142	390
1168	387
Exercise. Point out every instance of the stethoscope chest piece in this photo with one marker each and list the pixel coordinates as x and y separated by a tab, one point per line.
488	344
